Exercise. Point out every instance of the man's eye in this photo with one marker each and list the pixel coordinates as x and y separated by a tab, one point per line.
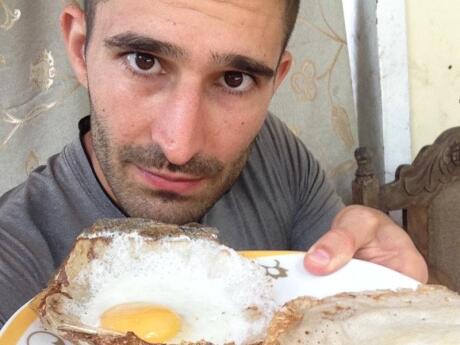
237	81
143	63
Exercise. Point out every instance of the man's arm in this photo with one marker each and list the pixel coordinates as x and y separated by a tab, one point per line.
366	234
22	272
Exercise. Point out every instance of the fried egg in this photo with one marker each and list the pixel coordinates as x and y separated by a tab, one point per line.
164	289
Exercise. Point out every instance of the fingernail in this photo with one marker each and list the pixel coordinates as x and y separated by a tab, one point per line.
320	256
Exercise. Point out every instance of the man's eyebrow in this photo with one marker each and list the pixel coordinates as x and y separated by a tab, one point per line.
244	64
136	42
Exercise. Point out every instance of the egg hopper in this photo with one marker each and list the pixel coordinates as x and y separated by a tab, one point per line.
426	315
92	244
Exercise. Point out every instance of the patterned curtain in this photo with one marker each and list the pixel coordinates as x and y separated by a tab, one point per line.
316	100
41	101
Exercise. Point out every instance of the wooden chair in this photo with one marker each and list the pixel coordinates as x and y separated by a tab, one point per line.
428	193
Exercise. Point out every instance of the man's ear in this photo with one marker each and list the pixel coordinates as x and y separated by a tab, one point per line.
283	68
73	28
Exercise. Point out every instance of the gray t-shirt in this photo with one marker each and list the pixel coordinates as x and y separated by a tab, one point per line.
280	201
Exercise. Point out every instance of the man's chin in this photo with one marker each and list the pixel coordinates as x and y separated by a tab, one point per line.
169	197
167	207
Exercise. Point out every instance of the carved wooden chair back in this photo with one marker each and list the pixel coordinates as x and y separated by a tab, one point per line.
428	193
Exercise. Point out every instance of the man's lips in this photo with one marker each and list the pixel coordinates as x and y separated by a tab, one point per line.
170	182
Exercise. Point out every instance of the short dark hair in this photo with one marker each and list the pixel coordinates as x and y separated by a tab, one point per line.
291	12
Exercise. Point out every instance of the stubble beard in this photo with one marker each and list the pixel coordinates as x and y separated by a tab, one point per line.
139	201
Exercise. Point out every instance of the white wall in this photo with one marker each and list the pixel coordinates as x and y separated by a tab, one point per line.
394	83
434	68
377	44
417	72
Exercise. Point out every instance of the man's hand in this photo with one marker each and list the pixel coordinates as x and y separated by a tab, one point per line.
367	234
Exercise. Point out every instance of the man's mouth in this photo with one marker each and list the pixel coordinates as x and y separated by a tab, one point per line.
170	182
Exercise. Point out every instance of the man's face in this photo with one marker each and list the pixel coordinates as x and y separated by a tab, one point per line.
179	90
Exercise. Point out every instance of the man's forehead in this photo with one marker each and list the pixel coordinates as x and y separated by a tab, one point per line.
241	10
245	24
252	5
257	6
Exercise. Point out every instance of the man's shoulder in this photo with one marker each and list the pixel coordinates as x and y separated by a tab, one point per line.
276	130
56	202
46	189
36	189
275	126
277	141
33	232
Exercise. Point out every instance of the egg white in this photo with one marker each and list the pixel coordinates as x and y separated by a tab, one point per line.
219	296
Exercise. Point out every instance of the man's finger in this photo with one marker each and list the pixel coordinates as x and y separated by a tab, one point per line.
403	257
367	234
334	249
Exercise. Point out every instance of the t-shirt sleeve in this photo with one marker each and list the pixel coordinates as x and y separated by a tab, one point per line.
313	201
25	266
317	204
21	275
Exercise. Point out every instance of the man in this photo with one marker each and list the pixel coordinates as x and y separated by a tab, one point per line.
179	132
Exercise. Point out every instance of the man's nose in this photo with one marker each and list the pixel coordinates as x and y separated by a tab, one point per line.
180	127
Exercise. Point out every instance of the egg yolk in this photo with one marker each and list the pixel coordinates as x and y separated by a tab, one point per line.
151	323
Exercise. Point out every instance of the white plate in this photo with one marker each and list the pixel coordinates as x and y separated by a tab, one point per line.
291	280
357	275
